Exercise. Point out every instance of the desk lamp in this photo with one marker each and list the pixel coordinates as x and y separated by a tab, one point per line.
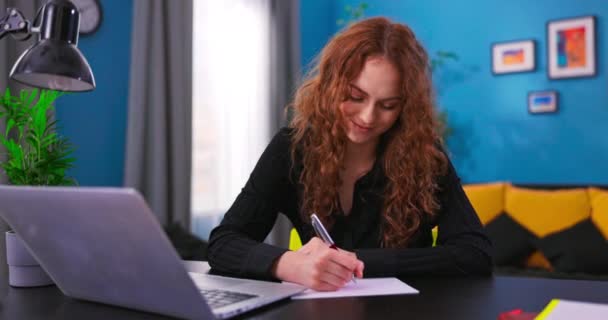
53	62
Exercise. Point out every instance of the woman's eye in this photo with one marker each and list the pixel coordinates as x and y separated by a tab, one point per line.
355	98
389	106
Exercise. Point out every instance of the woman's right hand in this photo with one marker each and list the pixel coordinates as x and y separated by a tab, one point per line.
317	266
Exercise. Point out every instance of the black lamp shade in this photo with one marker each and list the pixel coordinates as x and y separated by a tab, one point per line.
54	62
52	65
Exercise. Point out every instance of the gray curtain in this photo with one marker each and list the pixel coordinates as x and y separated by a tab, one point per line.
284	78
10	50
158	149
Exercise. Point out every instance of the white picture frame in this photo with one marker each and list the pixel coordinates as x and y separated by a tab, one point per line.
513	57
571	48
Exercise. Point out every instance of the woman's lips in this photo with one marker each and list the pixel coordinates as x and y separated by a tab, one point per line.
360	127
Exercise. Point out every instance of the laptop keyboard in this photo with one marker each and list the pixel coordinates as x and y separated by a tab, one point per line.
219	298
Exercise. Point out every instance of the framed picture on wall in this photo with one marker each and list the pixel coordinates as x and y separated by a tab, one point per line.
513	56
542	101
571	48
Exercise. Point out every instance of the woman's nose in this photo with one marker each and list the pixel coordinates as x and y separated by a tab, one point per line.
367	114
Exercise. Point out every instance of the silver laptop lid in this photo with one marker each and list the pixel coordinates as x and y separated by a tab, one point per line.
103	245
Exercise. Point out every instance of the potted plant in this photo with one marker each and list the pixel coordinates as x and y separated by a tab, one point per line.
35	155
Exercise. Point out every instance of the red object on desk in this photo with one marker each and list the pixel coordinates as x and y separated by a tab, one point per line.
517	314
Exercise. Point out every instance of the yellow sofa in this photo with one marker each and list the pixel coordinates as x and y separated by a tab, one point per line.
542	212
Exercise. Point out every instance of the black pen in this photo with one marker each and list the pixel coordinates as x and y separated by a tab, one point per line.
324	235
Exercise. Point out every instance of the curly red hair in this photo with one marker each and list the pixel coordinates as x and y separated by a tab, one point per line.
410	157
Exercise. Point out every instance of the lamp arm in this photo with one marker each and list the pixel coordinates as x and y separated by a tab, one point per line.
15	24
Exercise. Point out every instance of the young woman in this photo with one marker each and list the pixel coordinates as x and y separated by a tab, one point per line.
363	153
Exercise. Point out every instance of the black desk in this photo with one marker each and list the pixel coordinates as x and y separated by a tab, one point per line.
440	298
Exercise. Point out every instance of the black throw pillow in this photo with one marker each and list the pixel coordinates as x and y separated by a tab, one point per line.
512	242
580	248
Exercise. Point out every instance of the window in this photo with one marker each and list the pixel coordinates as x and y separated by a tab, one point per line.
231	113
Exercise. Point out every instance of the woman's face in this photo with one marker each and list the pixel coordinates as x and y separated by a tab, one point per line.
373	104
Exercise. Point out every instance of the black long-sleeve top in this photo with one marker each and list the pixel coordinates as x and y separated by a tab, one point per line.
235	246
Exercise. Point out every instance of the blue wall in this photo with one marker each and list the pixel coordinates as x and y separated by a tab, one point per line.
317	25
495	137
95	122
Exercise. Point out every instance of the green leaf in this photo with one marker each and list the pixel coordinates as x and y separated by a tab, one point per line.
48	140
15	154
50	126
9	125
29	98
7	94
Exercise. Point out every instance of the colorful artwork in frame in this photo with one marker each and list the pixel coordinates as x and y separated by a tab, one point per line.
571	48
542	101
513	56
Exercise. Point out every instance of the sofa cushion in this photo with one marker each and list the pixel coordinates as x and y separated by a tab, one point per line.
538	260
599	209
544	212
594	192
581	248
511	242
487	199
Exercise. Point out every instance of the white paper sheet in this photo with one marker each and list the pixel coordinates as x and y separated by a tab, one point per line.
568	309
363	287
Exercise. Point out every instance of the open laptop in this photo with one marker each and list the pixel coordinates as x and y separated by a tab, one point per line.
105	245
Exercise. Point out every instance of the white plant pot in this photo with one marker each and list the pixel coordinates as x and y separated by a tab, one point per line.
23	269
